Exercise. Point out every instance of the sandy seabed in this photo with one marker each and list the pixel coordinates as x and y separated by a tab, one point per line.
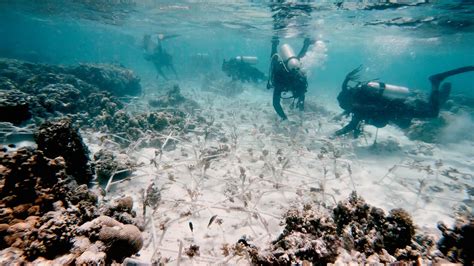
238	176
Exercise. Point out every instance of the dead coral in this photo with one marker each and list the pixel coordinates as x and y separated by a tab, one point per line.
308	235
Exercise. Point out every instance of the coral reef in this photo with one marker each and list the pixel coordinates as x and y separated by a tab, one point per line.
367	229
14	106
136	126
115	79
173	99
308	235
54	91
35	192
42	210
59	138
314	235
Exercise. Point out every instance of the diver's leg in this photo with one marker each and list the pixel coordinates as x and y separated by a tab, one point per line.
174	71
161	73
438	78
277	104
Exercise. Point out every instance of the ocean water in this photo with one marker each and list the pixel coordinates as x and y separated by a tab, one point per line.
398	42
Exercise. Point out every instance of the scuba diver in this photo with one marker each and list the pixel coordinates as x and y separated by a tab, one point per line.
378	104
155	53
240	68
286	75
285	72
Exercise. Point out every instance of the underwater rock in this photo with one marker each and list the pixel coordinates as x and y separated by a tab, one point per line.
120	240
121	209
225	88
106	164
59	138
173	99
14	106
112	78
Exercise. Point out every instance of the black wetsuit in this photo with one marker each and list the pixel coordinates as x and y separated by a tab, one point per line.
160	58
243	71
367	104
283	79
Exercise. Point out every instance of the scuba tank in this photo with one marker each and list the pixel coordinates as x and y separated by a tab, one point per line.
289	58
390	91
253	60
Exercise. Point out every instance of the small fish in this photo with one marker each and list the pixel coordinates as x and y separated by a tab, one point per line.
191	226
211	220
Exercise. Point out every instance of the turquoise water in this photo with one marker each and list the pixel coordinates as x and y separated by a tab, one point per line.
430	38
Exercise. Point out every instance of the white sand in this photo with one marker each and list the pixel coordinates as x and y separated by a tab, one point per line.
393	174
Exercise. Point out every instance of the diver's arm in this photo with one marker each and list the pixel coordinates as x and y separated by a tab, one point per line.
273	61
438	78
307	42
352	126
275	42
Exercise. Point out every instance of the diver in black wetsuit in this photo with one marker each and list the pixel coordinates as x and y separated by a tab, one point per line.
285	69
378	104
240	68
286	75
155	53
